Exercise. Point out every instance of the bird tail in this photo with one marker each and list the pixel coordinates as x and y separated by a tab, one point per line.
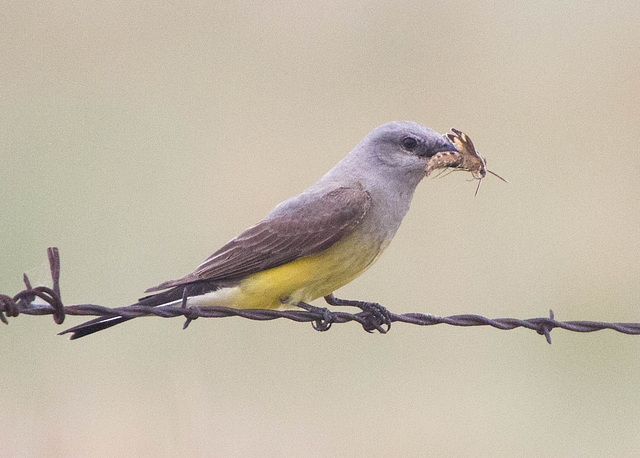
92	326
154	300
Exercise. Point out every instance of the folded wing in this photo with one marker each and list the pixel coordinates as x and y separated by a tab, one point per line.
302	231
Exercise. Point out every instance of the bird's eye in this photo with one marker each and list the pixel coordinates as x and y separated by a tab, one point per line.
409	143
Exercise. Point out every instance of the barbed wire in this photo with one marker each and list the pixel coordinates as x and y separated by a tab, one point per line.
23	303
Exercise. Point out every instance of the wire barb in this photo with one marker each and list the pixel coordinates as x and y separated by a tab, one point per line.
23	302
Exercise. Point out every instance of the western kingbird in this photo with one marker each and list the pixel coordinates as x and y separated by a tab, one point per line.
316	242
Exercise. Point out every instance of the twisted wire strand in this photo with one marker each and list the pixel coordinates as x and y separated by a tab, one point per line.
22	303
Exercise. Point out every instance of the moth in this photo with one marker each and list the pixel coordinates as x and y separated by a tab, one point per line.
467	159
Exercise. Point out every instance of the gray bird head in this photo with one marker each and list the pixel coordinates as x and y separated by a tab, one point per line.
399	149
405	144
391	159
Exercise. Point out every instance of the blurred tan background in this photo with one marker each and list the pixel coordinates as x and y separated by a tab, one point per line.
131	134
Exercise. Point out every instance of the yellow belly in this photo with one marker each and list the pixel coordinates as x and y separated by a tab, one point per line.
310	277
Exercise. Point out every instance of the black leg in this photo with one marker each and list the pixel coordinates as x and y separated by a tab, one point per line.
378	315
319	325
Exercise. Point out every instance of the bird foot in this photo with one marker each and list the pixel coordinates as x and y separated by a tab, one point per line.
376	317
327	317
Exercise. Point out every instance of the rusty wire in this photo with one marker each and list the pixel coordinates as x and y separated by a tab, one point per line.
23	303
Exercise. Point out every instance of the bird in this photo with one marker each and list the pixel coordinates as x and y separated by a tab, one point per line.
314	243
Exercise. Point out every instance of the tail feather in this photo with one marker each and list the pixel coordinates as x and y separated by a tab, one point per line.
92	326
154	300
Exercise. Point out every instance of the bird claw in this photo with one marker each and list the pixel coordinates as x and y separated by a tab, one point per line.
376	317
323	324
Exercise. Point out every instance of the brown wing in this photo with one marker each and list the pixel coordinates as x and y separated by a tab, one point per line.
305	230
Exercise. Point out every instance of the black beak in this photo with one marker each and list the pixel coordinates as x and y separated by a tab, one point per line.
445	145
441	146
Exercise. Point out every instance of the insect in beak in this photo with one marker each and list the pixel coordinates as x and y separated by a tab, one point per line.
467	159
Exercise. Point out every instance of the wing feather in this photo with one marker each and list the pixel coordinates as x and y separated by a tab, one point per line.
303	231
